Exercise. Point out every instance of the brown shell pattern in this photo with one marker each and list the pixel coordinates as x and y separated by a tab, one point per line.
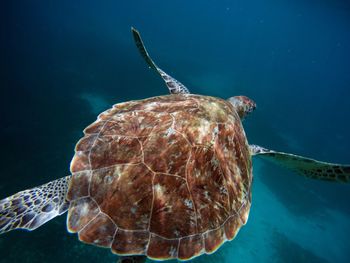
166	177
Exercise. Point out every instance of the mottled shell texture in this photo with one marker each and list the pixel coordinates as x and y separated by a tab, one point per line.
166	177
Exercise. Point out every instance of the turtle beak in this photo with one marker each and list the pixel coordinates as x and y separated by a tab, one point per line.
253	106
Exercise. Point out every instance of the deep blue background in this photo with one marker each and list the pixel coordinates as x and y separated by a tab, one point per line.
62	62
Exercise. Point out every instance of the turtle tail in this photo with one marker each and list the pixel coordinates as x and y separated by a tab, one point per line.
32	208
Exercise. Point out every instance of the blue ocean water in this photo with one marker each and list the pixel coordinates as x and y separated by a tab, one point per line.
64	62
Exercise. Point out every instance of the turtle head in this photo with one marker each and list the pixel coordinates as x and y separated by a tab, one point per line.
243	105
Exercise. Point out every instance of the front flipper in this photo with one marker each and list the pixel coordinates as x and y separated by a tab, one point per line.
32	208
305	166
174	86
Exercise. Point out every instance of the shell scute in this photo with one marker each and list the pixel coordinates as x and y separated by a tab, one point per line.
170	149
198	131
213	239
173	212
86	143
208	189
79	187
136	124
100	231
124	192
106	115
231	151
190	246
112	150
163	104
130	242
94	128
80	213
80	162
168	106
232	227
244	211
161	248
214	109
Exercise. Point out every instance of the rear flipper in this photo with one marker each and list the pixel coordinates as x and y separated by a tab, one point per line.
32	208
305	166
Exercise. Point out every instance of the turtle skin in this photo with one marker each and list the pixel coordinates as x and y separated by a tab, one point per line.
165	177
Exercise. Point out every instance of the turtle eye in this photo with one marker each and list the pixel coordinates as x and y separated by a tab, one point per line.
252	106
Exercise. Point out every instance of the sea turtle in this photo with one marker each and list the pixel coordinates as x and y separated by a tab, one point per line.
164	177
